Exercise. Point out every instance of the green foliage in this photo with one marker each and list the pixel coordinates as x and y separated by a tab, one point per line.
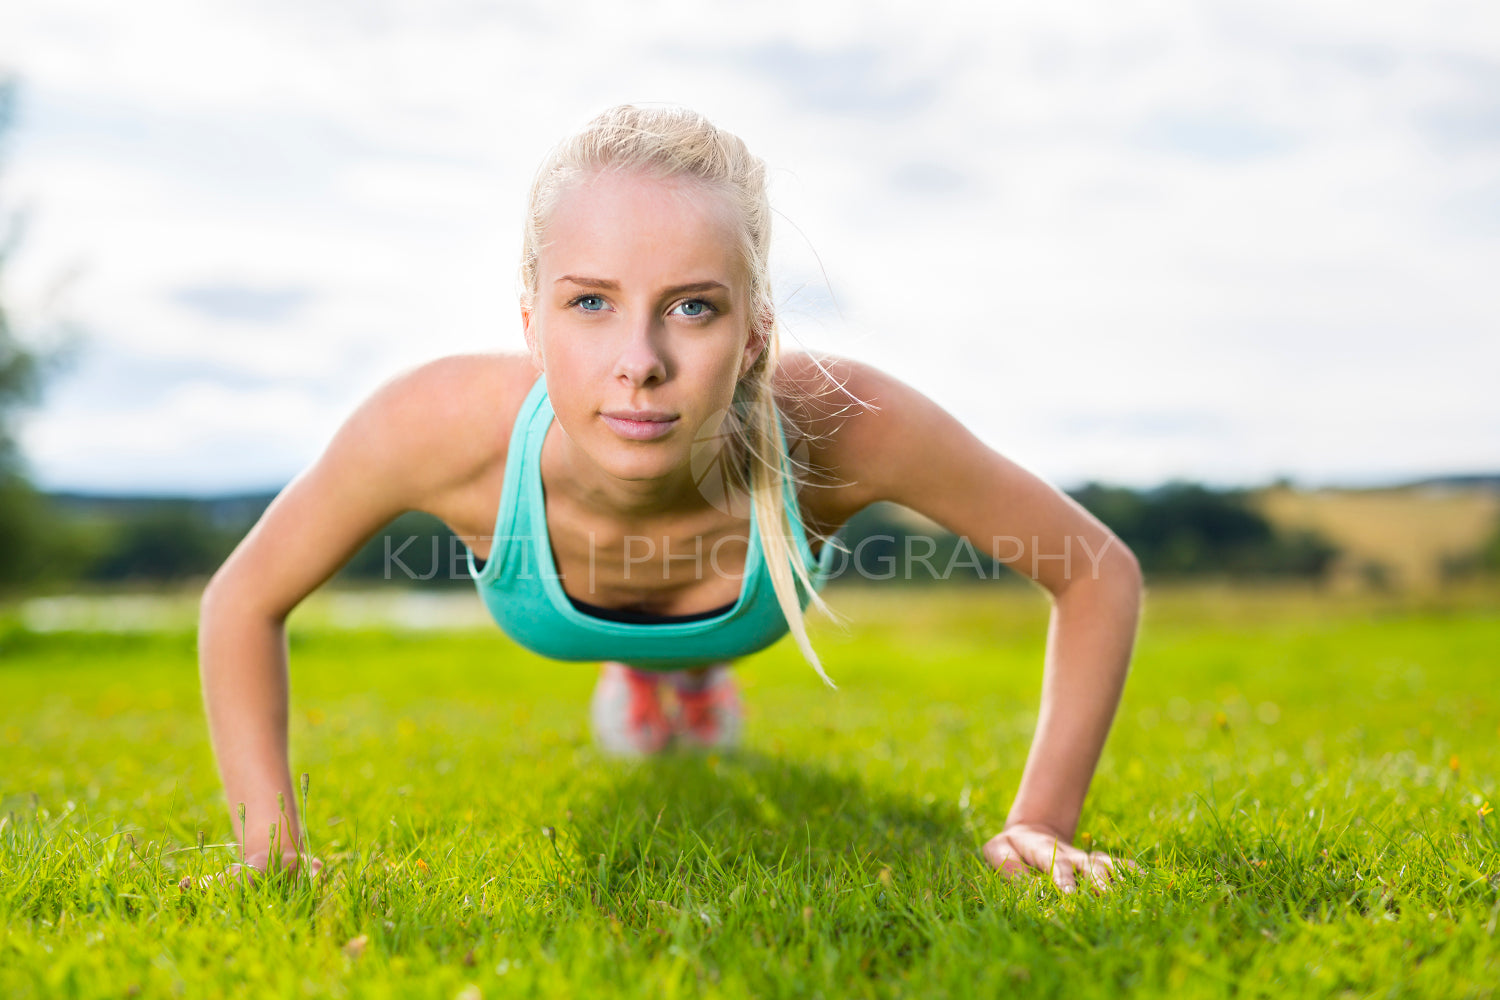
22	531
168	541
157	540
883	546
20	372
23	525
33	546
1302	782
1489	554
1182	529
415	549
1487	559
1179	529
1176	530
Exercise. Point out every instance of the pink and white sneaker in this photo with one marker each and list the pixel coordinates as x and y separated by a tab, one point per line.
626	712
709	714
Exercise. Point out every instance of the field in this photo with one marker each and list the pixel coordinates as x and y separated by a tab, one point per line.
1399	536
1306	780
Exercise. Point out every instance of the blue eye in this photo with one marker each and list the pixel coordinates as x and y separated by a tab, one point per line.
694	308
590	303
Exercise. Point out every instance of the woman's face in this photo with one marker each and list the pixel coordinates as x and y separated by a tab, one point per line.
641	310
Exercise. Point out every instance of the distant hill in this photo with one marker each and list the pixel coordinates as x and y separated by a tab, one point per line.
1416	535
232	509
1487	481
1478	481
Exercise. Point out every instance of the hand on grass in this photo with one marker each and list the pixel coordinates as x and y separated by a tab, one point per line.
1024	847
254	867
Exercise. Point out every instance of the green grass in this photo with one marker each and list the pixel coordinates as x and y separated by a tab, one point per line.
1301	779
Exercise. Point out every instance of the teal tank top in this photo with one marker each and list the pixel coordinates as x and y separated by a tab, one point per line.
521	588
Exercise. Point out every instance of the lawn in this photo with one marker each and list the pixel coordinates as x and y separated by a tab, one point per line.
1304	780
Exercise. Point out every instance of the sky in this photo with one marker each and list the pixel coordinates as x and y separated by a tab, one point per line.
1219	241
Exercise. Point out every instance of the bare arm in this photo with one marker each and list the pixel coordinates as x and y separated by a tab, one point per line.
1089	642
914	453
395	453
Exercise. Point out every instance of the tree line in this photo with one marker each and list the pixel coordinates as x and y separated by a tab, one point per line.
1176	530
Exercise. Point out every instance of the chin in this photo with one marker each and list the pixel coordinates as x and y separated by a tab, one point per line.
637	460
639	471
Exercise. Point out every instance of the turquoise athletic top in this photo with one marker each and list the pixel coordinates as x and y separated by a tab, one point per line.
520	585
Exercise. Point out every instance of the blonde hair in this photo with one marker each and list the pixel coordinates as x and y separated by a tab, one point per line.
671	142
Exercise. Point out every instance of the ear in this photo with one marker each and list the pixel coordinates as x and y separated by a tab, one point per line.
760	339
533	346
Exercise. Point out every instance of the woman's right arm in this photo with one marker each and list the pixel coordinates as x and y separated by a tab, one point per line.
394	454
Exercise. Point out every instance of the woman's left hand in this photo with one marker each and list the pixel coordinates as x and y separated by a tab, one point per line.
1024	847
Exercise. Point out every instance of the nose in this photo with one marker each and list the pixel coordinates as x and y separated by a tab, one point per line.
641	361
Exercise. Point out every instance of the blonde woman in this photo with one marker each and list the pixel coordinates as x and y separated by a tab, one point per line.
630	496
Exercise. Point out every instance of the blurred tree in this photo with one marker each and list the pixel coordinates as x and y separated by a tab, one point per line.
1489	553
165	540
27	534
20	372
1187	529
415	549
1485	560
20	383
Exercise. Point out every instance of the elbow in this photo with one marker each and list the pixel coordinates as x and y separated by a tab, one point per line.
243	588
1116	568
1126	566
1112	569
214	597
1123	571
211	622
231	601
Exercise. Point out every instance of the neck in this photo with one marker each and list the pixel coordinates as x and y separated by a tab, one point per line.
595	489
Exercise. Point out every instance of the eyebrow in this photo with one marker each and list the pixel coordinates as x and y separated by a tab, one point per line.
614	286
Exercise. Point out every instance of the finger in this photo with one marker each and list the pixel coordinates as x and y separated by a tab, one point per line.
1053	857
1100	870
189	883
209	881
1063	876
235	873
1005	860
1116	865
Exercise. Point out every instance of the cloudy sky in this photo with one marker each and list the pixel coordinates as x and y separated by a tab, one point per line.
1222	241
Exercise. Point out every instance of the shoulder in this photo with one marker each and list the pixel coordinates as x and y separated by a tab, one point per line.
871	437
861	425
442	423
460	387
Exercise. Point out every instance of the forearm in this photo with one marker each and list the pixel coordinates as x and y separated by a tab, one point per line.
1090	638
243	668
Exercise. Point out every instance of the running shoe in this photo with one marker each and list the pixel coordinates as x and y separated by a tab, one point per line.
709	714
626	713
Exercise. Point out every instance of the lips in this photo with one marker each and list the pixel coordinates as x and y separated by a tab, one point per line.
642	416
640	425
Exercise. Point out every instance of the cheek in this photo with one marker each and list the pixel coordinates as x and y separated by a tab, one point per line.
571	349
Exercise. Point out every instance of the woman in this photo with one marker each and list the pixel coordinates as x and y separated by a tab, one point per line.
629	495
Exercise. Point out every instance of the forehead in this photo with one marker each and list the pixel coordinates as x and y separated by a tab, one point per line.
644	230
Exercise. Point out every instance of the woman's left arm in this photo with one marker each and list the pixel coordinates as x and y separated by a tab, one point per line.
914	453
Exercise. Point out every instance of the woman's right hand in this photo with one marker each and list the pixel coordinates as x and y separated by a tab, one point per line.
411	446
